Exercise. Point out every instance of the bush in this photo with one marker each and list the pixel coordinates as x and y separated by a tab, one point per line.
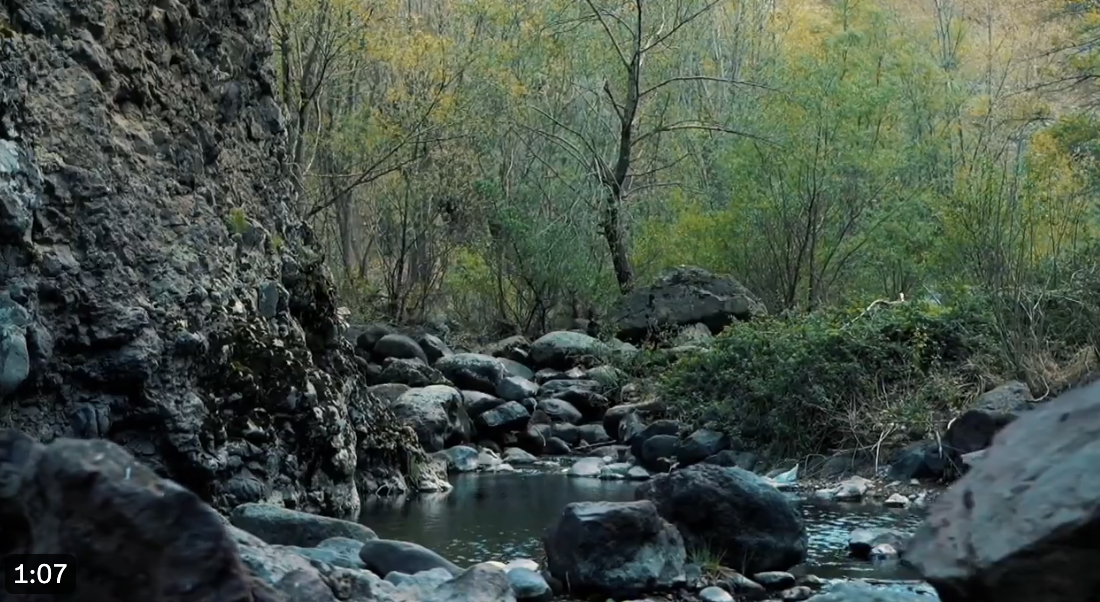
826	381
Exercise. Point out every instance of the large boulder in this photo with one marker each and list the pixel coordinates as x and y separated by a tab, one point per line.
682	297
136	536
1022	523
564	349
974	429
473	371
614	549
176	301
732	513
283	526
436	414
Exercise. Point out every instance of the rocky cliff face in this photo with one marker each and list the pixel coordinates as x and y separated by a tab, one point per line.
155	289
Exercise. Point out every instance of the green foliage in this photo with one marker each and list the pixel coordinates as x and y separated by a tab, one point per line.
834	380
237	221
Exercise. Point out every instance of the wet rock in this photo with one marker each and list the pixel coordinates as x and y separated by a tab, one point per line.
566	432
528	585
383	556
586	467
629	427
862	541
883	553
517	457
592	434
514	368
433	347
714	594
563	349
436	414
508	417
560	410
896	500
614	549
659	427
398	346
637	473
472	371
511	347
742	585
794	594
700	445
616	414
337	552
92	499
682	297
851	489
278	525
477	403
733	513
658	448
775	580
919	460
461	458
514	388
974	429
556	447
413	373
1022	523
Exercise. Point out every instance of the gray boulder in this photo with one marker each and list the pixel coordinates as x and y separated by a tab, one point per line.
563	349
397	346
436	414
614	549
473	371
514	388
734	513
682	297
282	526
383	556
1022	523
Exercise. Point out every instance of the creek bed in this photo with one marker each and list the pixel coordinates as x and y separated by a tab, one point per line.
501	516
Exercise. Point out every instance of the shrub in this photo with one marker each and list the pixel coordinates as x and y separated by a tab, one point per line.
811	384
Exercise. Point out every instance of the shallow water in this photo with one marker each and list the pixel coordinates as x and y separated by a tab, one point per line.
501	516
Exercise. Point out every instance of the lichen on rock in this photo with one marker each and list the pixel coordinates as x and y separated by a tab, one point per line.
173	303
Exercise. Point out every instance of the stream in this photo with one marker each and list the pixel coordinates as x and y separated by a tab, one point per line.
501	516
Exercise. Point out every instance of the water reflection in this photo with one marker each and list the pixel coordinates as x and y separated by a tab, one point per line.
501	516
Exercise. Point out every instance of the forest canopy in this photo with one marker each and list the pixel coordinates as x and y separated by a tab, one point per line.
493	161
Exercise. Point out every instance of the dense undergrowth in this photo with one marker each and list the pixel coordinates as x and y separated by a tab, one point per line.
876	377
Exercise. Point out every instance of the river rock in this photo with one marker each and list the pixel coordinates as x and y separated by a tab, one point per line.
614	549
461	458
477	403
919	460
514	368
714	594
528	585
974	429
615	414
566	432
398	346
434	347
437	414
517	457
510	347
560	410
508	417
593	434
681	297
556	447
586	467
659	427
383	556
411	372
856	591
473	371
629	427
1022	523
701	444
92	499
562	349
732	512
175	291
659	451
862	541
514	388
282	526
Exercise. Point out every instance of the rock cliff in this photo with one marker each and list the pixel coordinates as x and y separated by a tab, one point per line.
155	288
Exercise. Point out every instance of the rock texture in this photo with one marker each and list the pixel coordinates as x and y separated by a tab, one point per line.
683	297
157	291
1023	523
